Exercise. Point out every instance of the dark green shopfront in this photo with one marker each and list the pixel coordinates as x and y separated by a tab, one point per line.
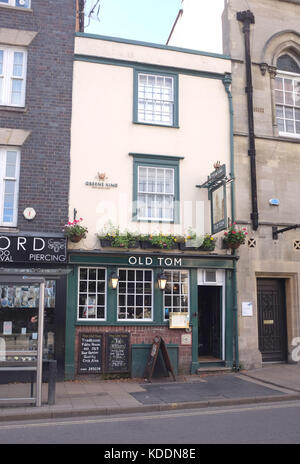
110	327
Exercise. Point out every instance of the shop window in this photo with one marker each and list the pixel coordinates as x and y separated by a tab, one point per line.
18	317
287	96
155	98
176	293
156	189
17	3
9	186
135	290
91	293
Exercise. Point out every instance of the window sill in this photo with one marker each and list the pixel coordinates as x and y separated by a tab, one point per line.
174	126
11	229
17	8
17	109
285	136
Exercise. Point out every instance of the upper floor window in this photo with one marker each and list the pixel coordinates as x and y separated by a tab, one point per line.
156	188
12	76
287	96
18	3
156	98
9	186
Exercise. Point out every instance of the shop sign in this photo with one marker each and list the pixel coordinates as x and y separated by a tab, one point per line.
155	261
100	182
27	249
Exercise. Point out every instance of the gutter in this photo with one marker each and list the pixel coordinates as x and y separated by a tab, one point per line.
247	18
227	82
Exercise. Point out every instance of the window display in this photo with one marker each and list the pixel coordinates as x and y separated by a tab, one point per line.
18	318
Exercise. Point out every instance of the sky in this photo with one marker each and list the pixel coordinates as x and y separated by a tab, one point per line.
148	20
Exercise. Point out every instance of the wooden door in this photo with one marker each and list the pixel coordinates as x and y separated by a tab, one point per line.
272	319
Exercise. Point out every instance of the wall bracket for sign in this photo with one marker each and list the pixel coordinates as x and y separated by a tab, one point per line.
158	343
275	230
217	178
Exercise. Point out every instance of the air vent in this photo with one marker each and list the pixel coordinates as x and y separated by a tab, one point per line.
210	276
251	243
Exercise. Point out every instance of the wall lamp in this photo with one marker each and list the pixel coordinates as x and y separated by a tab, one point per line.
162	281
114	279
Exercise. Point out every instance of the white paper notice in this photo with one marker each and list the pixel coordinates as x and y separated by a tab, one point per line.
7	327
247	308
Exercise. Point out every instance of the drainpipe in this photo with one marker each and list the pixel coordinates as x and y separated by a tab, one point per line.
247	18
227	82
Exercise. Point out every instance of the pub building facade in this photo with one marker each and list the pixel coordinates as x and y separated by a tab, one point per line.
34	165
150	164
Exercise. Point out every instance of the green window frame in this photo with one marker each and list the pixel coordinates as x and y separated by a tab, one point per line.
161	163
156	95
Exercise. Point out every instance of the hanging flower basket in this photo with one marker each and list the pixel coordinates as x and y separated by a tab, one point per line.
74	231
232	245
234	237
75	238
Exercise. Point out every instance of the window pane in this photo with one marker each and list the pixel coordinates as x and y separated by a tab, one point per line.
11	161
176	294
288	85
1	61
280	123
289	126
288	98
16	93
18	64
279	111
278	96
137	302
151	94
289	113
91	295
278	83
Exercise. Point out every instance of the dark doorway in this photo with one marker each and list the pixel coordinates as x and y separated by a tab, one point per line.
209	321
272	319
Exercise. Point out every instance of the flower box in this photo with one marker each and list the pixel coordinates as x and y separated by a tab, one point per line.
105	242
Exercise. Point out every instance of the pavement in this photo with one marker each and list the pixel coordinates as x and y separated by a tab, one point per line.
89	396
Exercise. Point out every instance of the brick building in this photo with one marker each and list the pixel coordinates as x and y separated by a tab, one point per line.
36	67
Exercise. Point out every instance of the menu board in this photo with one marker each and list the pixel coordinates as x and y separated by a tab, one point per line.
117	352
90	354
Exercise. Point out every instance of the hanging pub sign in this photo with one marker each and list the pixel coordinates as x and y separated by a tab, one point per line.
216	185
28	249
218	210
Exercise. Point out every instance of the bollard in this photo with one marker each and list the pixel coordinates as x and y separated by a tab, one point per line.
52	363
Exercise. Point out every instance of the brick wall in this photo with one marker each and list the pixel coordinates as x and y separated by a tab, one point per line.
44	177
144	334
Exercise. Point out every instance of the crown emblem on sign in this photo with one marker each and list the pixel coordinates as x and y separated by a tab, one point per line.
101	175
217	164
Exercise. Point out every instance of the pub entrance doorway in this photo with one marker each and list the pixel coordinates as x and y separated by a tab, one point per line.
209	323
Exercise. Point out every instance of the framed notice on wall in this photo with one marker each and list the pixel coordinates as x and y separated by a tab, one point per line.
179	320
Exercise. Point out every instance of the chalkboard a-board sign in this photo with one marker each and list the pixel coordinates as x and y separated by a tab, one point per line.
158	344
117	352
90	353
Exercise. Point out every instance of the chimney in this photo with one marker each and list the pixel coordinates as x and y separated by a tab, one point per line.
79	15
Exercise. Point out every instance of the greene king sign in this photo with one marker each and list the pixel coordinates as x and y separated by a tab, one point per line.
24	249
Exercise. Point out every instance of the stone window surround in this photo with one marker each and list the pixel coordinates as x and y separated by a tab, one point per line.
17	37
280	43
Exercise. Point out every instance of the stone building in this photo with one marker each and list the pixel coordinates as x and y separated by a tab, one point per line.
267	189
36	67
262	37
